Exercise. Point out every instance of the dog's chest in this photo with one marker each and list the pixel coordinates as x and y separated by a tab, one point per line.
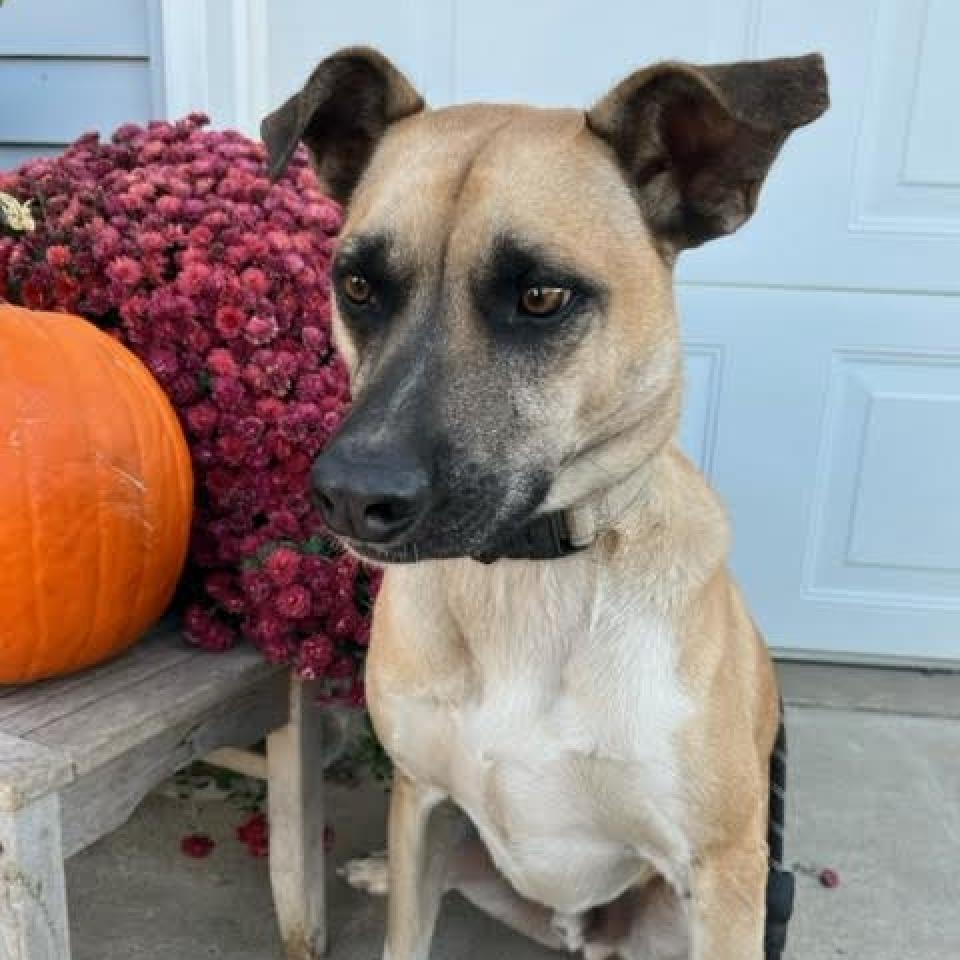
563	748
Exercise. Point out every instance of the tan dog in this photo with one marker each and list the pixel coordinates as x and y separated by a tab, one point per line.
581	730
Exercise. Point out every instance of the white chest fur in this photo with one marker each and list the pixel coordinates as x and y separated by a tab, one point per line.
556	726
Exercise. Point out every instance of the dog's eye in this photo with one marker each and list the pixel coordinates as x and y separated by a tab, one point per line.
543	302
357	288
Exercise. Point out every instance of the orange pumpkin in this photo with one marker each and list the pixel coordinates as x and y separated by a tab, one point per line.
96	493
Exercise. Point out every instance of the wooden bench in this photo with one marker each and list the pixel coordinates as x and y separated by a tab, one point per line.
78	754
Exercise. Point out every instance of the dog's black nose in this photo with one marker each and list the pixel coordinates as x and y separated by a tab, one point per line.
373	502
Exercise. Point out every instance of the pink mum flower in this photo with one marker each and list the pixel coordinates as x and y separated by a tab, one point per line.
169	206
255	280
316	655
282	566
230	321
260	330
58	256
202	418
222	362
125	270
193	279
293	602
257	586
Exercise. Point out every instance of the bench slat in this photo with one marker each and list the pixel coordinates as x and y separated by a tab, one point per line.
113	724
24	707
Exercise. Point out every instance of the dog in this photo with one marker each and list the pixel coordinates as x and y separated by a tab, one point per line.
580	710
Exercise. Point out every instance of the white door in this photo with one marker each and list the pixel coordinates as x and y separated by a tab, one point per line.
823	340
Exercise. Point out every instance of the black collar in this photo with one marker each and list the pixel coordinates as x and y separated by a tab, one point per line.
545	537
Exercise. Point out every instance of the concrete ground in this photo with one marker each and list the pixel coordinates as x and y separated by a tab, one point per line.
875	767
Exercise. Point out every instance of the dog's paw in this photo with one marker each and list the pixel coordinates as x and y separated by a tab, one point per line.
368	874
569	927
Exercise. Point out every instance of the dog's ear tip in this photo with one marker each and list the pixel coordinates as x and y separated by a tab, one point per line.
813	68
816	65
360	51
814	59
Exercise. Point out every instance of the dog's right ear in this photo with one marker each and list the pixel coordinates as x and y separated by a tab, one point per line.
340	114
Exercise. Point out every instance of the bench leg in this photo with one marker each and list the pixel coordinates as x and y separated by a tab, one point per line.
33	895
295	808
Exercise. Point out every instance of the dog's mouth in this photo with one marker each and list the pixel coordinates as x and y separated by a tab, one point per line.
403	553
422	546
456	529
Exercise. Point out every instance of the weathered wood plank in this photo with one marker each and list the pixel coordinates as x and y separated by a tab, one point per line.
33	897
24	707
29	770
103	799
252	713
295	804
108	727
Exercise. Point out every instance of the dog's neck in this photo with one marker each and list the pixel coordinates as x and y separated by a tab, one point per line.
660	521
601	511
553	534
590	496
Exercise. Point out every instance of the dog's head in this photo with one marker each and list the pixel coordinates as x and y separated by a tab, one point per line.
503	282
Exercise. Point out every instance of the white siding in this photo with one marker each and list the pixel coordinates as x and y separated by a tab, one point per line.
69	67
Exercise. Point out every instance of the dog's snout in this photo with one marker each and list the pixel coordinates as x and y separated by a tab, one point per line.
373	501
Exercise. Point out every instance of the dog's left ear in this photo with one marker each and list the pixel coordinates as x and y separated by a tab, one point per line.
340	114
697	142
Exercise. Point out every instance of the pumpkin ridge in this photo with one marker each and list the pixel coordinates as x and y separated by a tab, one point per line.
78	649
39	617
179	454
110	362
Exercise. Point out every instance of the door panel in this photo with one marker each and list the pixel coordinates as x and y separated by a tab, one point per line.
836	454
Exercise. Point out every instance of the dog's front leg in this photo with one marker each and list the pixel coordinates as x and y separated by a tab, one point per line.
419	846
729	905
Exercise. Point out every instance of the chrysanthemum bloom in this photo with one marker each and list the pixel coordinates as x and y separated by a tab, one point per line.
172	238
